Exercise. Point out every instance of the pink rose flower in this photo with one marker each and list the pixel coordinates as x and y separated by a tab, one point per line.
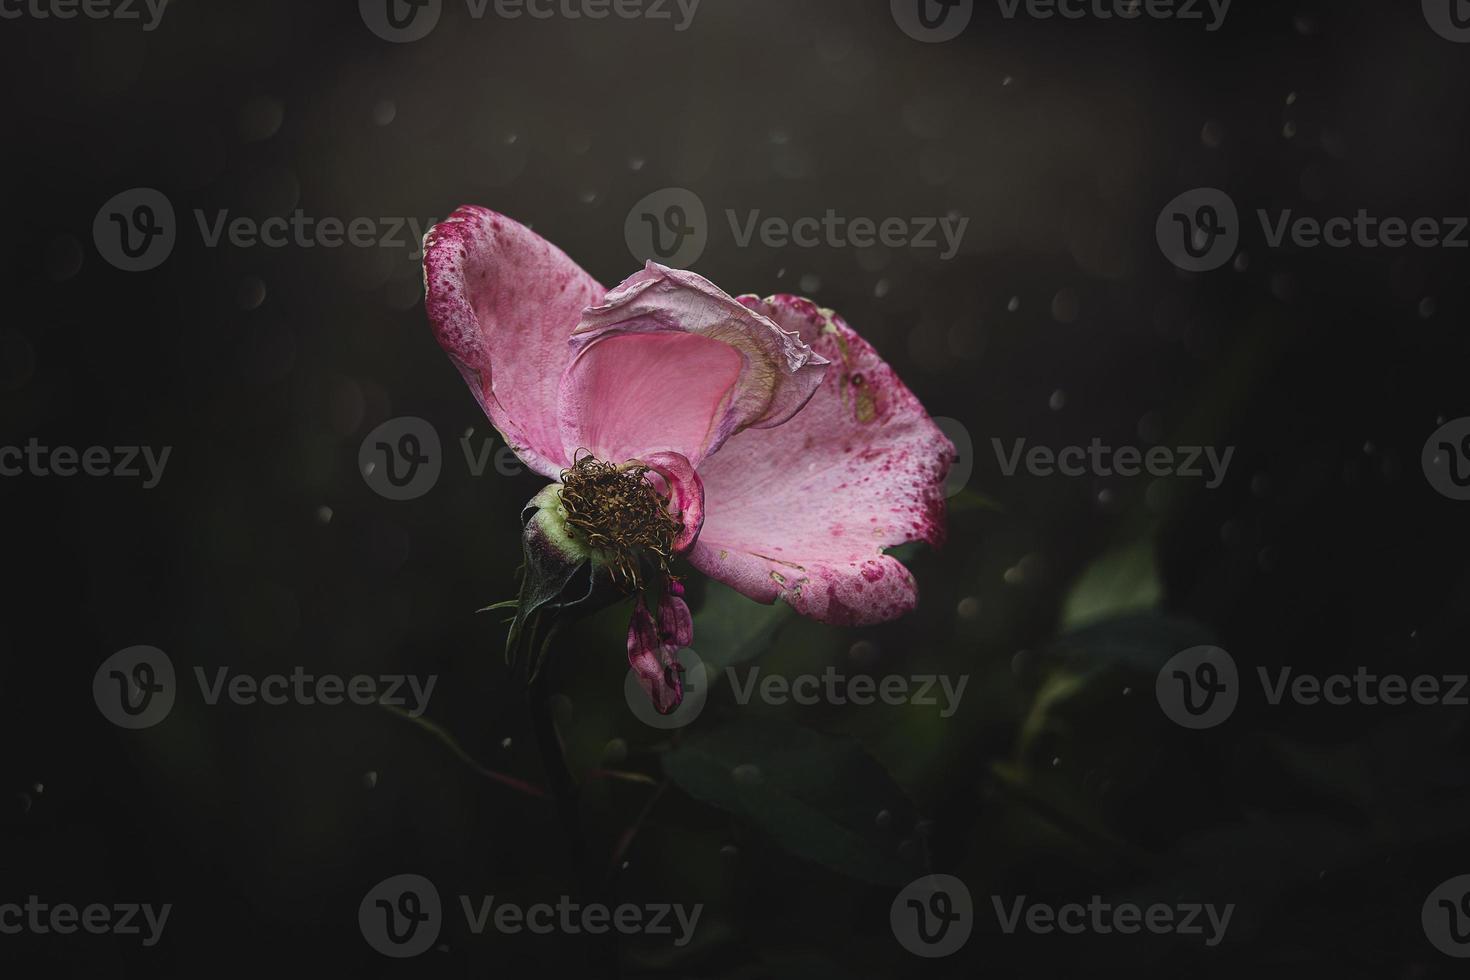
763	440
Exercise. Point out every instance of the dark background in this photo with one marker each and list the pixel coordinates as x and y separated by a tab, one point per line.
1325	549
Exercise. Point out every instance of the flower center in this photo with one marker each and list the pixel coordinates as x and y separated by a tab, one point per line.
614	510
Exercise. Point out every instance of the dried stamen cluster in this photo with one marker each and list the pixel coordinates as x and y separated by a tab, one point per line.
615	511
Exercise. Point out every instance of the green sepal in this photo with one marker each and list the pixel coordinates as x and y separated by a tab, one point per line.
552	557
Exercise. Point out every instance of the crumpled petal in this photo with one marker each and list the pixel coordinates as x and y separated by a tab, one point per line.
653	647
685	491
802	512
670	362
503	302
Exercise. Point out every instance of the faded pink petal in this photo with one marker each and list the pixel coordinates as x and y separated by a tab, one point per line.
675	623
653	647
503	303
802	512
669	362
685	491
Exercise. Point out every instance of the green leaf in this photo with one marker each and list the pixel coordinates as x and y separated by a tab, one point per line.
969	501
817	796
1122	581
1140	643
730	629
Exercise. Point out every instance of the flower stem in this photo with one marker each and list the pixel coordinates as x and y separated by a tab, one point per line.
566	792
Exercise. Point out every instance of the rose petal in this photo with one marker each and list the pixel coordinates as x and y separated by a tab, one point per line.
652	649
675	622
803	512
668	361
686	494
503	302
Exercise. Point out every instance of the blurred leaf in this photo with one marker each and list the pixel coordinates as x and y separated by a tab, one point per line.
1079	828
798	964
1121	581
968	501
818	796
1139	643
1086	669
731	629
